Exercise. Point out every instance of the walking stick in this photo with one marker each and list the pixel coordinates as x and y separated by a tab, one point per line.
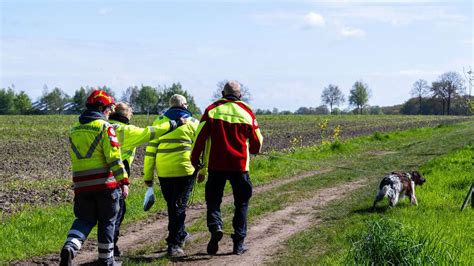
469	195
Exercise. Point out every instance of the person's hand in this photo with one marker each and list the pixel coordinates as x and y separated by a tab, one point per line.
125	191
182	121
149	183
201	178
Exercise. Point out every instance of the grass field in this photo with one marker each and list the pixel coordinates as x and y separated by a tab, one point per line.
415	148
437	221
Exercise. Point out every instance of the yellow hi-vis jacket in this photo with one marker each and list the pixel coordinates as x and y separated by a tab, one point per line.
130	137
170	153
95	156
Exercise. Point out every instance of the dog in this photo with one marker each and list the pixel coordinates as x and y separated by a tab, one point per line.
399	184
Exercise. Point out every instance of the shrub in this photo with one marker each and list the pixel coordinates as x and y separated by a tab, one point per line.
379	136
388	242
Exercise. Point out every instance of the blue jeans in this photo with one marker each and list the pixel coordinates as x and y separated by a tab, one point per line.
91	208
122	208
242	190
176	191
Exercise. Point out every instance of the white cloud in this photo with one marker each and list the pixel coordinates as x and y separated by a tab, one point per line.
296	20
352	32
313	19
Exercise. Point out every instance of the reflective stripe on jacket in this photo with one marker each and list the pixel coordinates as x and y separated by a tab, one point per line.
170	154
227	134
95	156
130	137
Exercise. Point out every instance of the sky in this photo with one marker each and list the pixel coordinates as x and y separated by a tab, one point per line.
285	52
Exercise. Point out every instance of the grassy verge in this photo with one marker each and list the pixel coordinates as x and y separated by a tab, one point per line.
433	232
367	156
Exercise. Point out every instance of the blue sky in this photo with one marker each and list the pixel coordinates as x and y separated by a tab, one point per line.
286	52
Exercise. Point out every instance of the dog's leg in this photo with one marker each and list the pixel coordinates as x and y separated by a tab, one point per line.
394	199
412	194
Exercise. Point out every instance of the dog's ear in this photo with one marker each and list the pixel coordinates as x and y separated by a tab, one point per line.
415	174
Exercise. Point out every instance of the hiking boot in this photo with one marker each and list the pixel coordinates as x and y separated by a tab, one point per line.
67	254
239	246
213	245
175	251
185	239
117	252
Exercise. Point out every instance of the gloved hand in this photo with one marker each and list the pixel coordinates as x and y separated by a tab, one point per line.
149	199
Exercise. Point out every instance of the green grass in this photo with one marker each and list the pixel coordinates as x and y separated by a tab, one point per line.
45	229
435	231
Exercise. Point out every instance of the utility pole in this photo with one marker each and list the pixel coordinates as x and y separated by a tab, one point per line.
470	78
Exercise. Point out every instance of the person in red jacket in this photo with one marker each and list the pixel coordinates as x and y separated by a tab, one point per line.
227	134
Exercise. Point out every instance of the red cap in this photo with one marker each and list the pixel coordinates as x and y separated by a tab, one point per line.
99	98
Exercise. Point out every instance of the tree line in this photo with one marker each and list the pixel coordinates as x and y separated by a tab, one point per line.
144	99
444	96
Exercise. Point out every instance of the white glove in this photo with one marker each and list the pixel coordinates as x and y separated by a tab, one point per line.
149	199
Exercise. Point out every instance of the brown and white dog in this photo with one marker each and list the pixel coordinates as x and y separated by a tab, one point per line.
398	184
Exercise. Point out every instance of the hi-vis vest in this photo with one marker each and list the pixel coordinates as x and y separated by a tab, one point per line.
95	156
130	137
170	153
227	134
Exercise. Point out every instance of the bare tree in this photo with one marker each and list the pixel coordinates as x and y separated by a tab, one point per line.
244	90
448	86
333	96
420	88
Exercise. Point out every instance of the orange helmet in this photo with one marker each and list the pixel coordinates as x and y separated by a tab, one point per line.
99	98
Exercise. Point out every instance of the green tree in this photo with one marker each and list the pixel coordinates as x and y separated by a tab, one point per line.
147	99
176	88
244	91
22	103
7	101
55	100
79	100
333	96
359	95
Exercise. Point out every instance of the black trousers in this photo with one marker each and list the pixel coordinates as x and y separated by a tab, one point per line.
176	191
242	190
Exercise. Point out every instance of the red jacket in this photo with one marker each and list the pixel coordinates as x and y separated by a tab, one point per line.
227	134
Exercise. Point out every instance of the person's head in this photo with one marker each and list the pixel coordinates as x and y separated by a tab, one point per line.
178	100
100	101
124	109
232	88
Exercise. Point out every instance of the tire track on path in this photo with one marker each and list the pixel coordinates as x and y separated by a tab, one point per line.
267	235
142	233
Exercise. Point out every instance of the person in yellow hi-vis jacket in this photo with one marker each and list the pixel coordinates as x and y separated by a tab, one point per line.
170	154
99	178
130	137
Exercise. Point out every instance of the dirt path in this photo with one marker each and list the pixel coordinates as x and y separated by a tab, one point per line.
267	235
143	233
